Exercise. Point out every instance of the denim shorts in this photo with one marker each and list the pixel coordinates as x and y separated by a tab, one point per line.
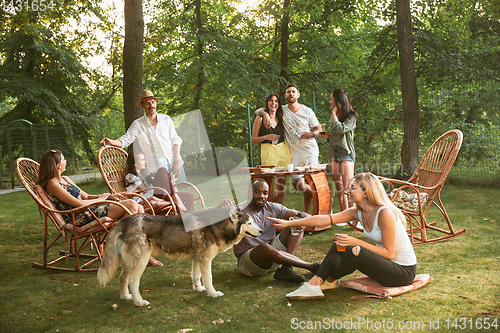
340	155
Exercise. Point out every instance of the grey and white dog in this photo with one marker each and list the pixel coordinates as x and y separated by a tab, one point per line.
135	238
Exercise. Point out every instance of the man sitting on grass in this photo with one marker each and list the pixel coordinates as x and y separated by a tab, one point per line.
257	257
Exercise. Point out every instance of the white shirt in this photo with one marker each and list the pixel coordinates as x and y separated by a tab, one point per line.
295	124
156	141
403	249
134	183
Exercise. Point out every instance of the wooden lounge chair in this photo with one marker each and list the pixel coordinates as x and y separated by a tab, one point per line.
429	178
112	163
85	243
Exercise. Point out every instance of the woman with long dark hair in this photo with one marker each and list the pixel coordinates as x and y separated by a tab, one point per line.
273	150
341	154
135	180
66	195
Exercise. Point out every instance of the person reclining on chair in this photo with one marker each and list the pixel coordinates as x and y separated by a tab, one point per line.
135	180
266	253
66	195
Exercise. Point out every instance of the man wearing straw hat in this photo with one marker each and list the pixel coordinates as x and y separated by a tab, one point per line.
157	138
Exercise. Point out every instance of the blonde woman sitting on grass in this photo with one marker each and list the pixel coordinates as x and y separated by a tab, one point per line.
391	261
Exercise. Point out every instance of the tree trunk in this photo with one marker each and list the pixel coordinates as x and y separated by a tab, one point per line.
199	54
82	132
284	40
409	92
132	60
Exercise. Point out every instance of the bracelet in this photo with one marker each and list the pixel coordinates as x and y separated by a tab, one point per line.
331	219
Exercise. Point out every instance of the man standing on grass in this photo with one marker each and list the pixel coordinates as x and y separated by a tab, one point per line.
266	253
301	129
157	138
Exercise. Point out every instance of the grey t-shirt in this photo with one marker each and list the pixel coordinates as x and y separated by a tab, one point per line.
270	209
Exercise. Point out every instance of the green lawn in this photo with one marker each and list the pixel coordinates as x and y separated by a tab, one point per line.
465	271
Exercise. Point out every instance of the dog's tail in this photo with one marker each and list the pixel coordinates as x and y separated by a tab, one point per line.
110	260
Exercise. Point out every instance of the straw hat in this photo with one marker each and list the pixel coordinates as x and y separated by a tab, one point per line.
144	95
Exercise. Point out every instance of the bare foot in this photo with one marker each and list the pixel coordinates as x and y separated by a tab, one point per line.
154	263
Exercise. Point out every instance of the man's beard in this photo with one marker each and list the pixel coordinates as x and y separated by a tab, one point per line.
258	204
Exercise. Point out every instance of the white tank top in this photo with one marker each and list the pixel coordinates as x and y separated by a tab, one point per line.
403	249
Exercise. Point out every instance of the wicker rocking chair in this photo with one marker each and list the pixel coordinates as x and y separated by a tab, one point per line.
425	185
112	163
85	242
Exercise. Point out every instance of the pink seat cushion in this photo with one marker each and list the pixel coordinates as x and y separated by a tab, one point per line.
369	286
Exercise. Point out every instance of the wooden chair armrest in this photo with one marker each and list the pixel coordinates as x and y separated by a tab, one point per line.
86	207
165	192
409	185
200	197
404	184
146	201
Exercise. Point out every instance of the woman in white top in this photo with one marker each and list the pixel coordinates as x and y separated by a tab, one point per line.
391	262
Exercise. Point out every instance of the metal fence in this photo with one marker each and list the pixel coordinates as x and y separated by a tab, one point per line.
21	138
478	161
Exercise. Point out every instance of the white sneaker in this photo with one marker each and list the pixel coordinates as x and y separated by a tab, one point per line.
330	285
306	292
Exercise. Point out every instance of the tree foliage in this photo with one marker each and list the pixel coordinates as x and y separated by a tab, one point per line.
211	56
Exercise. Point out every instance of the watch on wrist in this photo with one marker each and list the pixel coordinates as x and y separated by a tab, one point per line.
313	134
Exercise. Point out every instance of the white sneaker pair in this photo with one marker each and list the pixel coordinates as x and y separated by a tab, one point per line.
306	291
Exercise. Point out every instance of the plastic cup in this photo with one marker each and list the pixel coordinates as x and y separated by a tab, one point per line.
297	230
275	141
289	167
323	129
340	248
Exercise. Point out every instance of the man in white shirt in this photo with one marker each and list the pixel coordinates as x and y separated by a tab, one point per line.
301	129
157	138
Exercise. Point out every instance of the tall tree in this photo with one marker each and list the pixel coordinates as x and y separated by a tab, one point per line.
409	92
132	59
40	68
285	21
199	52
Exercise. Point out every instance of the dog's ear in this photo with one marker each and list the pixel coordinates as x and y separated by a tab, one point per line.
234	215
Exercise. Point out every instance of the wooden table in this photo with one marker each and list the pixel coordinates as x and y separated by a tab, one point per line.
316	178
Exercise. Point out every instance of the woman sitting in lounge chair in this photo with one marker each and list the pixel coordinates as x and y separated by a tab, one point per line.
135	181
66	195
